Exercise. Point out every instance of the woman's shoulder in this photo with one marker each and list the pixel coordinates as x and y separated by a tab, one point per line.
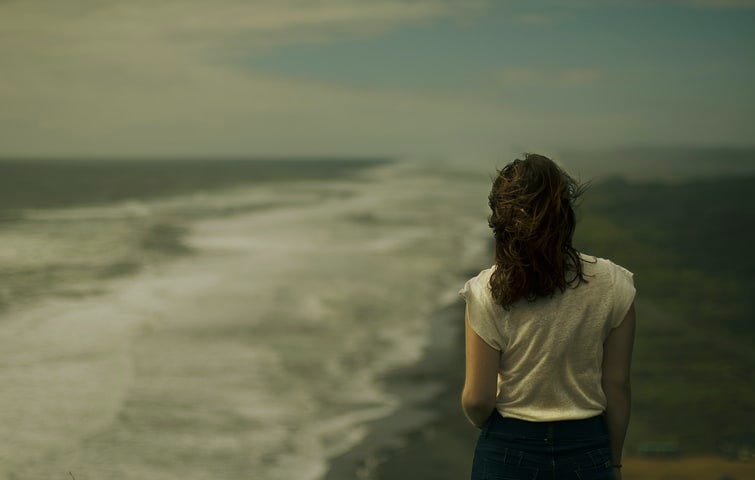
486	273
479	283
593	265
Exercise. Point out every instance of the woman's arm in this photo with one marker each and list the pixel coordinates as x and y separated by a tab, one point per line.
617	360
480	383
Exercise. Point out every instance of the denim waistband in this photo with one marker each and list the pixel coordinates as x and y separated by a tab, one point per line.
562	429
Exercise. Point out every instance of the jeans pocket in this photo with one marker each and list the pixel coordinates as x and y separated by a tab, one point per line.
507	465
594	465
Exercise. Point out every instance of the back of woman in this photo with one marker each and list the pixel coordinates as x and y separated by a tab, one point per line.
549	338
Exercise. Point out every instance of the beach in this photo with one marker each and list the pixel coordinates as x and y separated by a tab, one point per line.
301	324
242	332
428	436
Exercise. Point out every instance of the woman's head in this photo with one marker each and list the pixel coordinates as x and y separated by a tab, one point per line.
532	217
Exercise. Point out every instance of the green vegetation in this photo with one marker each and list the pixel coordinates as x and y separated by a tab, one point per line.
689	247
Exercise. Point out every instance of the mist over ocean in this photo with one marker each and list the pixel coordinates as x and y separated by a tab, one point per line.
238	331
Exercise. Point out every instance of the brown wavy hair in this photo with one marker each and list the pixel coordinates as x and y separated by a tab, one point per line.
532	203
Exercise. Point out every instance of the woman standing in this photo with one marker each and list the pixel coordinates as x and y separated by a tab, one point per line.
549	335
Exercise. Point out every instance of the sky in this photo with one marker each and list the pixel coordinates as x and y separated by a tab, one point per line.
372	77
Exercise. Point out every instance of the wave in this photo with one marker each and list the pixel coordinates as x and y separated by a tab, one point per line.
262	353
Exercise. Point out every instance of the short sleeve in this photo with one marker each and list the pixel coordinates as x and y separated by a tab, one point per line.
623	294
480	314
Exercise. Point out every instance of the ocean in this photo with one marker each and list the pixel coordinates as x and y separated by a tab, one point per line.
208	321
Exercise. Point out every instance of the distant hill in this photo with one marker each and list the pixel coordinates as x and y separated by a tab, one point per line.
691	241
670	164
689	244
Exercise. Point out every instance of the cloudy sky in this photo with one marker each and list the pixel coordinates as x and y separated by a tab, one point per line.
375	77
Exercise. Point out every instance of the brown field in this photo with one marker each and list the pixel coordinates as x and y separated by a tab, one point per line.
688	468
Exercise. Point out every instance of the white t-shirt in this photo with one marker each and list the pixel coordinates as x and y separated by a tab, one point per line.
552	348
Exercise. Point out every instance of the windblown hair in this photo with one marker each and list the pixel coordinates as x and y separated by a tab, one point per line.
532	203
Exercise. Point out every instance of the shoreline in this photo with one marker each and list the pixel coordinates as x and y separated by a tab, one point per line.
428	437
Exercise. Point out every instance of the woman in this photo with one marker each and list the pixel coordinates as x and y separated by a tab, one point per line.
549	335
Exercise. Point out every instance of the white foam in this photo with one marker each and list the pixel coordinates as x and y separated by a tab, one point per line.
258	357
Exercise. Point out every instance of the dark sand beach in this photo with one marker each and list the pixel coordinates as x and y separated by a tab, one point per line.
428	437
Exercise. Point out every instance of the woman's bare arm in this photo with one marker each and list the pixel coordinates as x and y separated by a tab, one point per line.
617	361
480	383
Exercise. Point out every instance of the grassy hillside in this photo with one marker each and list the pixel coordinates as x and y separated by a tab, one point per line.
689	247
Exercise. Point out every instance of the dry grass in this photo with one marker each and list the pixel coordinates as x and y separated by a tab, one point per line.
687	468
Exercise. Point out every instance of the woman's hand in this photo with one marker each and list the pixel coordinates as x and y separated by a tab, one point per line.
616	473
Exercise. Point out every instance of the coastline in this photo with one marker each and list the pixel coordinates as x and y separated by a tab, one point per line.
428	437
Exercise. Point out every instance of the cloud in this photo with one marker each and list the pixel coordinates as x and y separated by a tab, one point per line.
586	4
718	4
552	15
552	77
269	20
534	18
132	33
138	77
163	78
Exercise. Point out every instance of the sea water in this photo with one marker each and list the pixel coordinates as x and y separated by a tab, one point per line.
235	333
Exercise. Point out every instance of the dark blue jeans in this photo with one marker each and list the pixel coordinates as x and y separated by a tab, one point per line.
512	449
